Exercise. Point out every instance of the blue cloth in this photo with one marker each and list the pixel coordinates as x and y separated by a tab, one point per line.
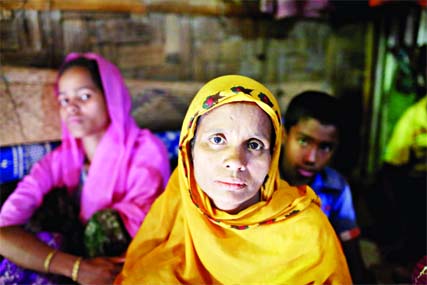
17	160
336	202
171	141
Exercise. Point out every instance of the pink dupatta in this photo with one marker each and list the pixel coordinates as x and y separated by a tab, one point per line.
129	170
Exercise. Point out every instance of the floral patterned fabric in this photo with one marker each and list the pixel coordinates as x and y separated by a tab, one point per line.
10	273
56	224
105	235
419	275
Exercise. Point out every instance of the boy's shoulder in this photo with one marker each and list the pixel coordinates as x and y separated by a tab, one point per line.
333	180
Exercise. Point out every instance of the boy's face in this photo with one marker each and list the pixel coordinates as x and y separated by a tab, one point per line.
308	148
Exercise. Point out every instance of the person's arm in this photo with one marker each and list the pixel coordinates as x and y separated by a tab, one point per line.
148	174
24	249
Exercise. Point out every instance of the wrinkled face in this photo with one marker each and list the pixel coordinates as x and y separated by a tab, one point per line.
232	154
308	148
82	104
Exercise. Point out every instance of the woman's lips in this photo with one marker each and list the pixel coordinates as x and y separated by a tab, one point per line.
74	120
231	185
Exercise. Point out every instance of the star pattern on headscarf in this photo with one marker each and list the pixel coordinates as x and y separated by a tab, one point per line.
212	100
242	89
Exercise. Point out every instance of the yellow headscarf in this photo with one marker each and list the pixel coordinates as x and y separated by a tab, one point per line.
282	239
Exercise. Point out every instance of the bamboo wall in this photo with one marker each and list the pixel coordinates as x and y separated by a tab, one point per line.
172	44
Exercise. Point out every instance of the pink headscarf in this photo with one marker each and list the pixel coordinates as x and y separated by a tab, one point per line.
129	170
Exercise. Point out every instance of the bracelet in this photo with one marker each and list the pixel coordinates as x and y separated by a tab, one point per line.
48	260
75	272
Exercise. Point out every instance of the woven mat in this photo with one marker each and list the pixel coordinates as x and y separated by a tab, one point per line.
30	111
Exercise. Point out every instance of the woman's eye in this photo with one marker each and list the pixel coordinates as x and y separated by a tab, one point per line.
84	96
216	140
255	145
63	102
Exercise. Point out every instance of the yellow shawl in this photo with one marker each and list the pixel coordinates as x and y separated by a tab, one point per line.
283	239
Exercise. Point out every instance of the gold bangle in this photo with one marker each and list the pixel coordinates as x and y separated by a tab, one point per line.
75	272
48	260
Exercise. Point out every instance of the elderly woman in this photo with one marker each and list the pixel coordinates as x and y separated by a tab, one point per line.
225	216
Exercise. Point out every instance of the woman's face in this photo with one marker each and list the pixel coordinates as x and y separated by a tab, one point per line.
82	104
232	154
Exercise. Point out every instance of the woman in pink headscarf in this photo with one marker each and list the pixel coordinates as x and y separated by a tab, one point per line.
106	166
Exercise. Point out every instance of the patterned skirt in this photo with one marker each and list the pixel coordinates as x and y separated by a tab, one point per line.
56	223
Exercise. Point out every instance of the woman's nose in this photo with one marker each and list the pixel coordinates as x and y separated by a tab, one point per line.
72	107
235	160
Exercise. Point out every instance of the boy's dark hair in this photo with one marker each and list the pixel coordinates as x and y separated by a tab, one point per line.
315	105
89	64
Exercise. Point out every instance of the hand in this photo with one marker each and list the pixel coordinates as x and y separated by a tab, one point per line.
98	270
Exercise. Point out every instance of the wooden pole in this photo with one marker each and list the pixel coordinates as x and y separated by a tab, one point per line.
133	6
216	8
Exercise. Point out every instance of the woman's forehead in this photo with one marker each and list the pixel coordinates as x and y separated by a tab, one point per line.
233	110
247	114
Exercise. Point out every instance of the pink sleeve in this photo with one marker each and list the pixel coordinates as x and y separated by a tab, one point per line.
28	196
148	175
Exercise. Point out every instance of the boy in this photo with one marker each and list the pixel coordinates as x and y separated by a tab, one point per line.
311	135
